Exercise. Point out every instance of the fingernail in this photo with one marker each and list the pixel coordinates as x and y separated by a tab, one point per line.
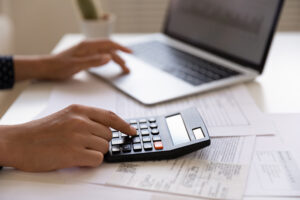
126	70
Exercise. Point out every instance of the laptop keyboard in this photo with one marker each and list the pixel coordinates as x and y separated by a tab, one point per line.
187	67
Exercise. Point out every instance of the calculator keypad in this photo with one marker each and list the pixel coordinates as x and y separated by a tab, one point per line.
137	147
147	139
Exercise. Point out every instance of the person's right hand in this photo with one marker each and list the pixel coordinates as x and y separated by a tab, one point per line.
75	136
61	66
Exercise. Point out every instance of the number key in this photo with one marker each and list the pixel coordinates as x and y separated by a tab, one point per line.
115	149
146	139
148	146
143	121
156	138
143	126
145	132
117	141
137	147
133	121
136	139
154	131
115	134
153	125
152	120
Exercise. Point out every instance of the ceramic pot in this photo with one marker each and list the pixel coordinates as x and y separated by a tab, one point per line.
100	28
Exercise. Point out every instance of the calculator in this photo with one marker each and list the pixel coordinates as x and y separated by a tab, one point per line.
160	137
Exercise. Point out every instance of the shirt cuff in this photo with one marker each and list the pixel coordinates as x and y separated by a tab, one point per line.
7	74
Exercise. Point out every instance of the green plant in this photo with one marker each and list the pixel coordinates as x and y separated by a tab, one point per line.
88	9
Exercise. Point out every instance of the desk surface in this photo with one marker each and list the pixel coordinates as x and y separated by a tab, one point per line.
274	91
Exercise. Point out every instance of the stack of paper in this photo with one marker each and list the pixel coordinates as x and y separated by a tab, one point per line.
220	171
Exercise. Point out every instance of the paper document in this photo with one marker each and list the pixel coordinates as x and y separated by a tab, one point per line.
219	171
274	170
186	177
227	112
274	173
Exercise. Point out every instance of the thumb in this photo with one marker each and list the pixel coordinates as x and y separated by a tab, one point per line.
92	61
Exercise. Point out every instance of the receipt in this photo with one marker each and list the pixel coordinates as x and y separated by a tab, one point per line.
219	171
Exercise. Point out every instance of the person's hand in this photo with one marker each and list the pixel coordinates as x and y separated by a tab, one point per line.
75	136
86	54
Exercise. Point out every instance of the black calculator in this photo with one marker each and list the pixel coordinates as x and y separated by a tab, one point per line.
160	137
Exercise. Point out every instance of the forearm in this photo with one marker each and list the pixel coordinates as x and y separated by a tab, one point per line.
29	67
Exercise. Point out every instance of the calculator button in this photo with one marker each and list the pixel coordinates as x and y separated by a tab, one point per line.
133	121
143	126
115	149
146	139
123	135
127	140
145	132
137	147
115	134
148	146
136	140
152	120
117	141
134	126
126	148
143	121
155	131
153	125
158	145
156	138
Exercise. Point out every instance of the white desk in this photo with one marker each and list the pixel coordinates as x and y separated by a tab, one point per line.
277	90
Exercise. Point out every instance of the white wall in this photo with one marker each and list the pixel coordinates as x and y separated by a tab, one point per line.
39	24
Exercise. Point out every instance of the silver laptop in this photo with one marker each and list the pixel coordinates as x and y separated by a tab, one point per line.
206	44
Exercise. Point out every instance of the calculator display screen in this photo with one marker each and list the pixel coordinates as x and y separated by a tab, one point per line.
177	129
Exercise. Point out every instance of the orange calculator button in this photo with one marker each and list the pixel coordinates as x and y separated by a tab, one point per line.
158	145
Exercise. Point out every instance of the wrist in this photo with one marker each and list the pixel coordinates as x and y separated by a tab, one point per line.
8	145
4	152
30	67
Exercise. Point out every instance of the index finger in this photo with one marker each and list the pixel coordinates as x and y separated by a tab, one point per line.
110	119
117	59
120	47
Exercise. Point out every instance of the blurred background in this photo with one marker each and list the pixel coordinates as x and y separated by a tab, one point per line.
35	26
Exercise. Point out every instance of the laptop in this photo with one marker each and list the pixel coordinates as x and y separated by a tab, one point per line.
205	44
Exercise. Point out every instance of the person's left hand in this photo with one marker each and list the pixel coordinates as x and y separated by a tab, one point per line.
86	54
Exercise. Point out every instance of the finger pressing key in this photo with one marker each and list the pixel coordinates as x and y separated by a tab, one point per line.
109	119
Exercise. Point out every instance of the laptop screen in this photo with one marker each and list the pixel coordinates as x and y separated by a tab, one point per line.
239	30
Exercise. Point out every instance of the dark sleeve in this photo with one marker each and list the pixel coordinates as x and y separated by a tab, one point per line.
7	74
